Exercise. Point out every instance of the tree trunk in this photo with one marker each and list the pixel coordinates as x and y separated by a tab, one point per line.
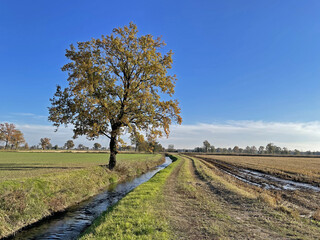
113	152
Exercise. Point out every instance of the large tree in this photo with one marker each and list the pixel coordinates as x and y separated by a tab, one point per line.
116	84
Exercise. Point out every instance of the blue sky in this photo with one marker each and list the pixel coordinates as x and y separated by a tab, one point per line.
236	61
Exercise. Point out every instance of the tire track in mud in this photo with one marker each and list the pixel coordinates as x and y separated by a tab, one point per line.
240	211
305	200
253	219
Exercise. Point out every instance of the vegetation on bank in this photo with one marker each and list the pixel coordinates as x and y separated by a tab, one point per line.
71	178
139	215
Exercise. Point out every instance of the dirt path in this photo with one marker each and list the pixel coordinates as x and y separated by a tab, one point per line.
200	208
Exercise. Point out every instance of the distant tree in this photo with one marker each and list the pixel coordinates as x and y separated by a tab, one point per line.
235	149
117	83
170	148
219	150
277	150
155	146
270	148
56	147
206	145
261	149
143	147
136	139
6	132
96	146
17	139
253	150
212	148
80	147
248	149
26	146
285	150
69	144
44	142
296	152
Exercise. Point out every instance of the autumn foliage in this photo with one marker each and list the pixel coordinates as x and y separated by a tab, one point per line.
117	84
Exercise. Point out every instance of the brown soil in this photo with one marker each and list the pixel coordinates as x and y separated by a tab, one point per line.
211	211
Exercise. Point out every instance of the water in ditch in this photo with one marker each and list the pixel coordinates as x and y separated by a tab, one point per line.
70	224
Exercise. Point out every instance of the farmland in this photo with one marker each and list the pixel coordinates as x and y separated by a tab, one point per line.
194	199
35	185
296	168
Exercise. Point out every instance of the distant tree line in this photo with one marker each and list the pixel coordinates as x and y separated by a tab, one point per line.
14	139
270	148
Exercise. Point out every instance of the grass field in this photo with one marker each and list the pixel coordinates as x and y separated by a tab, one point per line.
299	169
191	199
14	165
34	185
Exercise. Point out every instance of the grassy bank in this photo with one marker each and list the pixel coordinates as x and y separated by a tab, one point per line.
139	215
34	185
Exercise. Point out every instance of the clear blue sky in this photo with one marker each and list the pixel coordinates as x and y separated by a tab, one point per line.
235	60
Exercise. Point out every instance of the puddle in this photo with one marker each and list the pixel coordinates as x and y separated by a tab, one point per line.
268	181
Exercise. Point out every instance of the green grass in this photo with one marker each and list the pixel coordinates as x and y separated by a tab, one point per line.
14	165
27	195
138	215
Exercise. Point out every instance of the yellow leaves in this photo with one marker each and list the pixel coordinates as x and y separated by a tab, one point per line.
117	80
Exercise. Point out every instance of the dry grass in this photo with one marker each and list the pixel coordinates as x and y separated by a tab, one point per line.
298	169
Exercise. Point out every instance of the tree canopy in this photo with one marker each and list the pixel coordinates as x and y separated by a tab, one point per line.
117	83
10	135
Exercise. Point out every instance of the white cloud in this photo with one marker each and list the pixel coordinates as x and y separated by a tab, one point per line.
302	136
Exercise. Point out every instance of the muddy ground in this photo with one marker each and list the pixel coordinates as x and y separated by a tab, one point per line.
303	197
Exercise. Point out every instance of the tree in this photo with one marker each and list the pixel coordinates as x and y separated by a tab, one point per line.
253	150
6	132
96	146
270	148
17	138
212	148
116	83
236	149
136	139
261	149
81	147
69	144
296	152
206	145
248	149
44	142
170	148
